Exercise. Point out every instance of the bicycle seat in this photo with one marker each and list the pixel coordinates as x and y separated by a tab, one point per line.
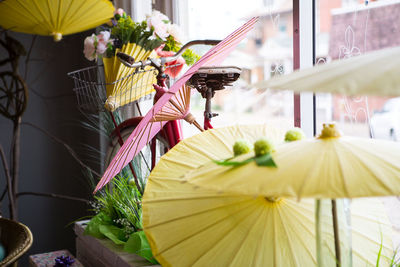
214	78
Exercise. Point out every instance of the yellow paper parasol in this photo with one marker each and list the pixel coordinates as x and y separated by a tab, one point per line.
330	166
199	227
54	17
124	84
376	73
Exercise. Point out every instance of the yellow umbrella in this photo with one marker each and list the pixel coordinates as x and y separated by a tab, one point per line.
331	166
376	73
123	84
189	226
54	17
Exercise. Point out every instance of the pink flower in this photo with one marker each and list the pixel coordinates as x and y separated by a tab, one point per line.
160	29
89	47
103	39
119	11
159	22
101	48
178	64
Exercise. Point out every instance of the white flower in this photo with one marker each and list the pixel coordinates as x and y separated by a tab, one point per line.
160	29
104	36
89	47
159	22
175	31
156	16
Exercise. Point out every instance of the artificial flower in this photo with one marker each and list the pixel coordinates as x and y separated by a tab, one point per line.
104	36
119	11
103	39
294	134
101	48
174	67
156	30
89	47
159	23
175	32
64	261
262	150
263	146
241	147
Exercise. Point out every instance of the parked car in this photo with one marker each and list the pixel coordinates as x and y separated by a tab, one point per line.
385	124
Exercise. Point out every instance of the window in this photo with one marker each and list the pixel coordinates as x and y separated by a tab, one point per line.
266	52
349	29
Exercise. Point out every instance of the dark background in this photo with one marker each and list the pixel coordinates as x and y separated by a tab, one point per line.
46	166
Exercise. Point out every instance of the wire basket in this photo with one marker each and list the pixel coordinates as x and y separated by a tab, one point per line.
90	87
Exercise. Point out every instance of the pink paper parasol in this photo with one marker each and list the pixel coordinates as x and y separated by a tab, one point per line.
177	108
146	129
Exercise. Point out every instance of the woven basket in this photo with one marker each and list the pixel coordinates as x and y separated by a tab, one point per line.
16	238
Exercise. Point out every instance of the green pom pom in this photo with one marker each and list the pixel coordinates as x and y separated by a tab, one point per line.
263	146
294	135
241	147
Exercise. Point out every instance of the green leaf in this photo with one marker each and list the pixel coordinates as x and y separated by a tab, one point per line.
190	57
139	245
117	235
265	160
227	162
92	228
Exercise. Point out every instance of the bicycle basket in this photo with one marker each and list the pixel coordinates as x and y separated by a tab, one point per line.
94	94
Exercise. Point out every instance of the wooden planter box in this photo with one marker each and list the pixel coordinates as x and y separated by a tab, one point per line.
94	252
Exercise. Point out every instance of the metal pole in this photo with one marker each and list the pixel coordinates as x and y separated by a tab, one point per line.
336	232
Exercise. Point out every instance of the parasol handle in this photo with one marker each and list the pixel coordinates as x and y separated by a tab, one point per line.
192	120
336	233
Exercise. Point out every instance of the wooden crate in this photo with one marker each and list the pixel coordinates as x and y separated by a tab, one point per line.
94	252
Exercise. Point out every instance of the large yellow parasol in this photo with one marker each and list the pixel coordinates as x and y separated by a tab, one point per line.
376	73
330	166
189	226
54	17
123	84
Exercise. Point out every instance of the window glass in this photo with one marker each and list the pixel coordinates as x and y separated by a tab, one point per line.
265	53
348	29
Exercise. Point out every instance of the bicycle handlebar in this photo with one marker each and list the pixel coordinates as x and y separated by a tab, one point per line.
129	61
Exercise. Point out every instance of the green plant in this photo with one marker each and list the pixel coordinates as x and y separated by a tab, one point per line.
189	56
394	261
128	31
119	217
150	34
122	204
